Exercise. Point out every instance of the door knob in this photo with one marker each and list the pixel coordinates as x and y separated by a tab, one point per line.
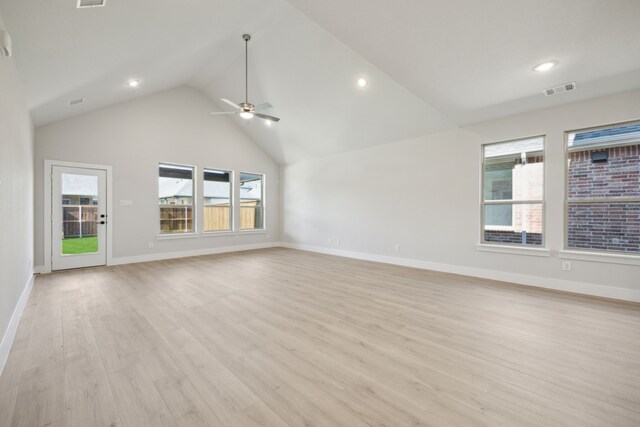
103	222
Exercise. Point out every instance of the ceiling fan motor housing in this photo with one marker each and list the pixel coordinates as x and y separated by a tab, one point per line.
247	106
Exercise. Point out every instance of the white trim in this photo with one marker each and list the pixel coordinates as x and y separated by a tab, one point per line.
48	165
600	257
253	231
516	278
196	252
516	250
12	328
219	233
171	236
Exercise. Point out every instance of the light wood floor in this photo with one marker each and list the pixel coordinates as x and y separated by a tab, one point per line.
280	337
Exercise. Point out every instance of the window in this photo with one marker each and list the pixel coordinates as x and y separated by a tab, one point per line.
175	194
251	201
217	205
603	189
513	192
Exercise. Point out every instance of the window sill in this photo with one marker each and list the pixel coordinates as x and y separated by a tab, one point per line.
600	257
219	233
177	236
515	250
251	231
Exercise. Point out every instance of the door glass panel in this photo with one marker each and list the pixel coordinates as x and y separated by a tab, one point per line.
79	195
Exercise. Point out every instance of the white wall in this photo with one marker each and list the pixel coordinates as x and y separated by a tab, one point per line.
16	199
423	194
133	137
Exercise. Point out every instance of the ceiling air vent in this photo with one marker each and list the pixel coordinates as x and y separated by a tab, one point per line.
76	102
559	89
91	3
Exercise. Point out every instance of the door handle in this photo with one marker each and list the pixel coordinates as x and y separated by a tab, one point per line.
103	222
102	216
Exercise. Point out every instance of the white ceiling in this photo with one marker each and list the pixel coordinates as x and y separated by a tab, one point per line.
430	64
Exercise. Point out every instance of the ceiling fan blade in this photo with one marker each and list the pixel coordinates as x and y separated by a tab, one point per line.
234	105
261	107
264	116
224	112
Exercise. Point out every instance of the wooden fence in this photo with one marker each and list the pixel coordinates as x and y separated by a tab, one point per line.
176	219
179	219
79	220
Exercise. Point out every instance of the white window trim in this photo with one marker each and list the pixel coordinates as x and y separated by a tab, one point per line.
515	249
232	204
169	236
499	227
160	235
219	233
253	231
608	256
264	206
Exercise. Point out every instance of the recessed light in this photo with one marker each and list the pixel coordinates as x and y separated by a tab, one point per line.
246	115
133	83
362	82
268	123
545	66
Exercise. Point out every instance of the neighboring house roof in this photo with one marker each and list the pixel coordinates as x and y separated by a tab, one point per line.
629	133
171	187
79	185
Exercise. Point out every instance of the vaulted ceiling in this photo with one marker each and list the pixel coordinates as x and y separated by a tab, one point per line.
430	65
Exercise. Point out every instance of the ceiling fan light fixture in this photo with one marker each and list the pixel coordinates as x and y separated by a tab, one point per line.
246	115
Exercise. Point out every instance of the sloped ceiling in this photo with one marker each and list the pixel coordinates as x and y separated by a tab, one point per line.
430	64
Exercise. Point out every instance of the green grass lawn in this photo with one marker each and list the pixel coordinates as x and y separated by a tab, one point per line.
80	245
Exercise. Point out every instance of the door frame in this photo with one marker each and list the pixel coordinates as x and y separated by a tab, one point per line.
47	218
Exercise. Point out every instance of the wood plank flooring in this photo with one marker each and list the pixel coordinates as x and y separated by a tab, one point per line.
280	337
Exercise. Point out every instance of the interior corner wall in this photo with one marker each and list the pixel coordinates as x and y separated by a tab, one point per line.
16	199
173	126
423	195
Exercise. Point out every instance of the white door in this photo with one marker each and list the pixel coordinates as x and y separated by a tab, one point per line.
79	217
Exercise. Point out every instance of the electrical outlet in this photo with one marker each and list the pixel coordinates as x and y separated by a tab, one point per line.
338	242
566	265
150	245
396	247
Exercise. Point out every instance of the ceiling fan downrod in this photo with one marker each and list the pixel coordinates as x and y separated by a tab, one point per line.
246	38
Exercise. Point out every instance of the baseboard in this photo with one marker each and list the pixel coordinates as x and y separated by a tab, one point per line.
197	252
10	333
520	279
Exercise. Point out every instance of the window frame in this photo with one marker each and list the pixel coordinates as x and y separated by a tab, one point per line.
194	211
515	247
232	221
605	255
263	195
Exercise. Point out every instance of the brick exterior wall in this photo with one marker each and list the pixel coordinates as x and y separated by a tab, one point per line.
605	226
497	236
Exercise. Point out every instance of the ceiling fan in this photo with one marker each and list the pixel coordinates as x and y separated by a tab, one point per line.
245	109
